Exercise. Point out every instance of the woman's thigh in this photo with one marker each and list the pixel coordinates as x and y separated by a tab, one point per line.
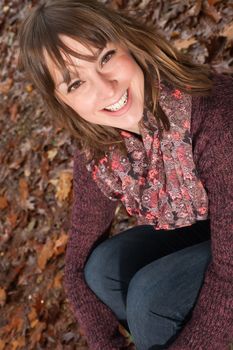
115	261
161	296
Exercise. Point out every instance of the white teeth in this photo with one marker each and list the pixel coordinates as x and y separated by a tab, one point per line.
123	100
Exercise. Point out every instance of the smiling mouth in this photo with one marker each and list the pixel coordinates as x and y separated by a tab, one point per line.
118	105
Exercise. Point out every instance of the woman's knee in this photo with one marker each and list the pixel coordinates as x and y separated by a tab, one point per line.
174	277
161	295
102	274
101	266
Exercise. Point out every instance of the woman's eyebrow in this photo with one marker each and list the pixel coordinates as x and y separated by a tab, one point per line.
67	79
72	74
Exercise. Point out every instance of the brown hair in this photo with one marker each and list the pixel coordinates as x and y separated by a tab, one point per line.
92	23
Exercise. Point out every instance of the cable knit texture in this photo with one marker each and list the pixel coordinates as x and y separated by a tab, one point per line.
211	325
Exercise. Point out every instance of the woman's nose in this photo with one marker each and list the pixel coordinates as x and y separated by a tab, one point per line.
105	85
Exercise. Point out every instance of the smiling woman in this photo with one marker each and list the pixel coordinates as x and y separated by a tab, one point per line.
42	36
154	131
109	91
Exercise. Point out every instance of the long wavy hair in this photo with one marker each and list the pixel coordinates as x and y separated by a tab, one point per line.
93	24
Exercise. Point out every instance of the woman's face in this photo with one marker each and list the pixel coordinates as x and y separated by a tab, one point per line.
108	91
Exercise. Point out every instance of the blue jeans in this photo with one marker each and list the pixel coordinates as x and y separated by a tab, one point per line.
151	279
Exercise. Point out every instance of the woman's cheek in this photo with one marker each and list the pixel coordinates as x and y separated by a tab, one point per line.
126	65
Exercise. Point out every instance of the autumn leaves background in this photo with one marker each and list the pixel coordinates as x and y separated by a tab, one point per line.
36	161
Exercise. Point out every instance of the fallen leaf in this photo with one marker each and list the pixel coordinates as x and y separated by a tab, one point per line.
12	219
228	32
60	244
211	12
36	335
63	185
68	337
32	316
18	343
52	153
13	112
29	88
195	9
14	273
29	203
125	334
213	2
5	9
23	189
57	282
182	44
54	182
45	254
16	323
2	297
6	86
3	202
2	344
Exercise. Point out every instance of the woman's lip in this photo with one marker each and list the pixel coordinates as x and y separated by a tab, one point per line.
123	110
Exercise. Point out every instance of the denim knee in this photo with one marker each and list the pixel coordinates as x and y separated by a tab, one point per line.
97	267
161	296
102	273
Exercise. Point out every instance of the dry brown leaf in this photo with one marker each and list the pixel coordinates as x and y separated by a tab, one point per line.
36	334
57	282
3	202
64	185
228	32
16	323
181	44
2	297
45	254
6	86
2	344
195	9
13	112
12	219
23	189
44	167
212	12
32	316
52	153
213	2
125	334
18	343
14	273
60	244
34	323
29	88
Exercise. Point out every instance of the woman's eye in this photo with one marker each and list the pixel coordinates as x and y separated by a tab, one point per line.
75	85
108	56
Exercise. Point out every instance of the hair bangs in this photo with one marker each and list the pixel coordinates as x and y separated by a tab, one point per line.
60	54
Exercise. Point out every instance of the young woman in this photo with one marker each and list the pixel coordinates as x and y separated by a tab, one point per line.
154	131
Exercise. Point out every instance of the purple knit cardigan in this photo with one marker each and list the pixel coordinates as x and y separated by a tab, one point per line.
211	325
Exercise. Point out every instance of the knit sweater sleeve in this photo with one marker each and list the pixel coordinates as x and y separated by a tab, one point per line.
211	325
92	214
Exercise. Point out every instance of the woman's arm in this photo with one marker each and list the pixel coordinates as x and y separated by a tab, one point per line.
92	214
211	325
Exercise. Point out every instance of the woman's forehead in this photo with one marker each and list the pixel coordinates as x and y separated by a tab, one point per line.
77	46
71	62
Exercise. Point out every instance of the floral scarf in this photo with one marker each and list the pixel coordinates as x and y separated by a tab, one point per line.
157	182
